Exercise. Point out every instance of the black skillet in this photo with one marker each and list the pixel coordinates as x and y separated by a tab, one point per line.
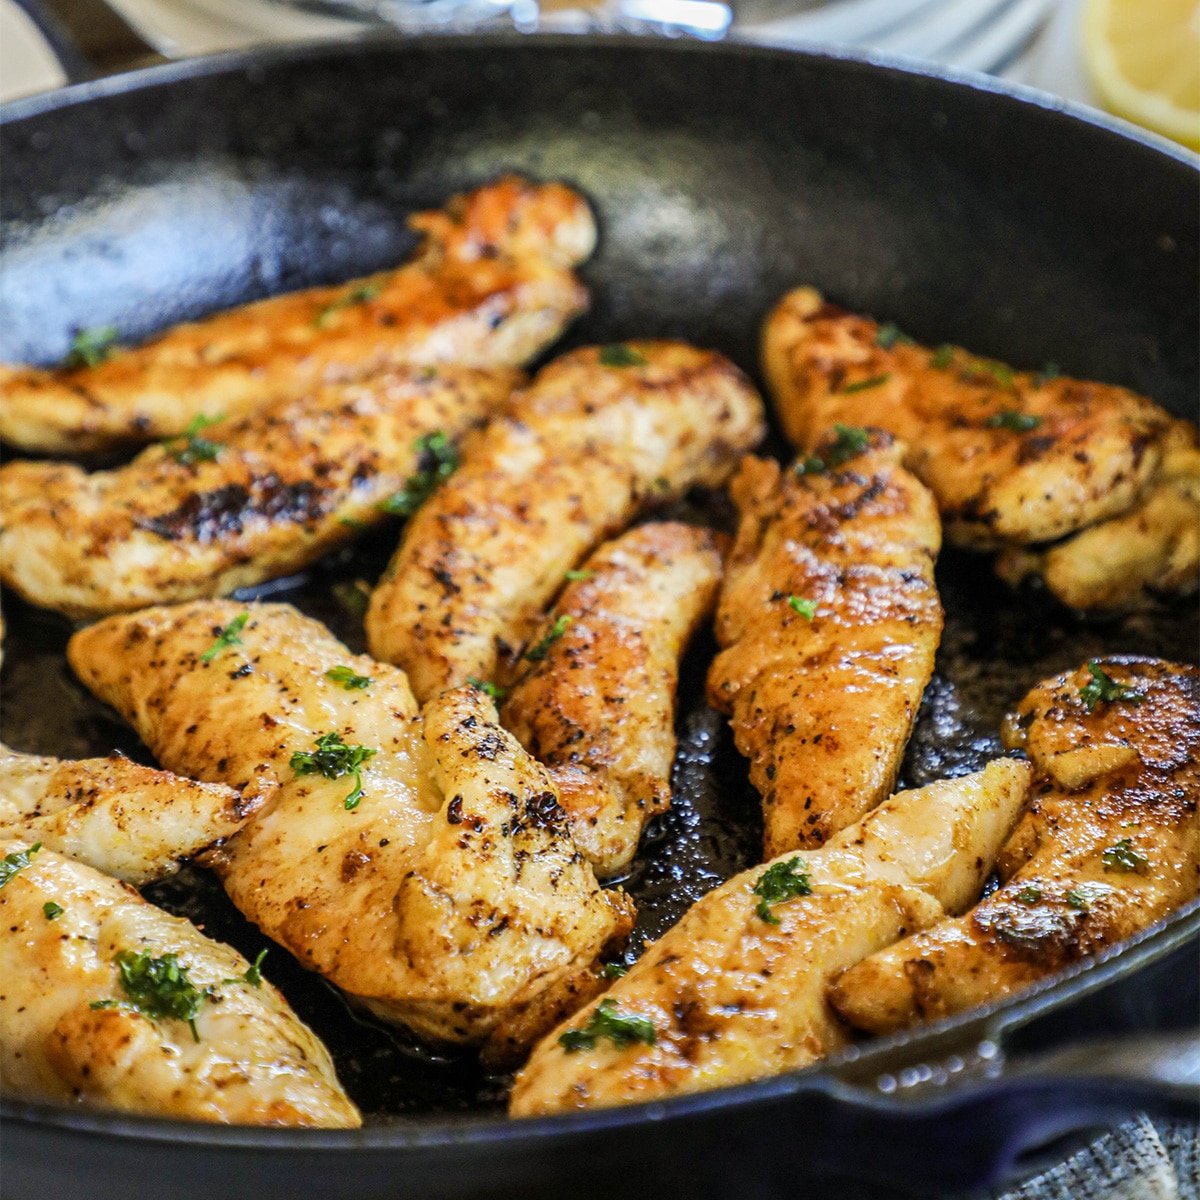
722	175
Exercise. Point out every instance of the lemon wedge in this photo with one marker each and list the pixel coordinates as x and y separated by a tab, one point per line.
1144	59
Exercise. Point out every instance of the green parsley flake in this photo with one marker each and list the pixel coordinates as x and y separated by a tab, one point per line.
1078	900
52	911
252	976
190	448
1029	895
10	864
614	970
849	441
1018	422
437	460
998	371
538	652
779	882
1102	688
607	1021
863	384
356	295
332	758
806	608
348	679
1121	856
157	988
620	355
890	335
809	466
353	595
488	688
943	356
579	576
1049	372
229	636
91	347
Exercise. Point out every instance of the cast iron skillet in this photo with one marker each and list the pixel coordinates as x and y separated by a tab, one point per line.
722	176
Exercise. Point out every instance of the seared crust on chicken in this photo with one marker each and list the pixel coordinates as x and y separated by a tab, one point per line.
116	815
1119	564
732	994
69	1034
434	880
1011	456
597	707
491	286
261	497
830	620
1110	844
600	435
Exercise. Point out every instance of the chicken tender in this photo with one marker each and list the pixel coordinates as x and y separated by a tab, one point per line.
1012	457
1109	846
421	863
1120	564
108	1002
735	991
601	434
597	706
830	621
491	286
235	504
116	815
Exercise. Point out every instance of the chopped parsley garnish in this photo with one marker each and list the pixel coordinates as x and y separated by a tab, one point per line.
252	974
540	649
348	679
1121	856
190	448
806	608
437	460
620	355
1047	373
1102	688
607	1021
356	295
1078	900
1018	422
332	758
850	440
229	636
614	970
157	988
863	384
488	688
1029	895
579	576
91	347
353	595
779	882
10	864
52	910
943	356
890	335
1002	374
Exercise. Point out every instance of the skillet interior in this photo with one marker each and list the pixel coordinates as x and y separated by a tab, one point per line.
722	177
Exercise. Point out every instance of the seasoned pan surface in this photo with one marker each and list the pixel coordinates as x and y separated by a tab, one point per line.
721	177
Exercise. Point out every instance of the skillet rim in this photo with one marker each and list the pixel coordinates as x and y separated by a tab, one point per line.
971	1029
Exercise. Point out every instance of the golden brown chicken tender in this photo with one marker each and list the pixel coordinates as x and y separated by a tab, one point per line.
236	503
491	286
1110	844
111	1003
597	703
601	434
830	621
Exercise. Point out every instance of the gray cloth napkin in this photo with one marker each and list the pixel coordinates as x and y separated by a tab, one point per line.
1141	1160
